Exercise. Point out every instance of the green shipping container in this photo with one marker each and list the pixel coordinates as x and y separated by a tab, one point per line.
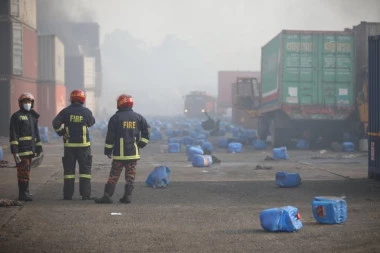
309	75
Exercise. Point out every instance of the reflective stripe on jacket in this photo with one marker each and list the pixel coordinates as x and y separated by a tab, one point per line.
126	129
24	136
73	123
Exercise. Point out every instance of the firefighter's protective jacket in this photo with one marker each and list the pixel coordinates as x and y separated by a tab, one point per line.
24	136
72	123
127	132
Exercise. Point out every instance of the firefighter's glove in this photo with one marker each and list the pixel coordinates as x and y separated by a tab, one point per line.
141	144
109	156
17	158
65	137
38	154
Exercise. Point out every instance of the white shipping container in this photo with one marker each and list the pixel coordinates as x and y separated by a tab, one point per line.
51	59
24	11
89	72
91	101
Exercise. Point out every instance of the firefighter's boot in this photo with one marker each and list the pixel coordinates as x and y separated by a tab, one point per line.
109	189
23	191
126	199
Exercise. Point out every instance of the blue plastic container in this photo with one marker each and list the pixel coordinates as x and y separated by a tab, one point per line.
329	210
1	153
174	147
235	147
155	136
281	219
194	150
287	179
348	146
302	144
201	160
207	146
159	177
259	144
222	142
280	153
188	140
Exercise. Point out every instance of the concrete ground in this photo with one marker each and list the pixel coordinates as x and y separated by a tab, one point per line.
214	209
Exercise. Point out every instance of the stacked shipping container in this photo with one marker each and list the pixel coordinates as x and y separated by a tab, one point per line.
51	88
18	54
374	106
81	74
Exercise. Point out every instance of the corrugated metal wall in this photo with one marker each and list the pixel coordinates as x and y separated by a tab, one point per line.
30	53
24	11
18	55
5	48
51	59
51	100
374	106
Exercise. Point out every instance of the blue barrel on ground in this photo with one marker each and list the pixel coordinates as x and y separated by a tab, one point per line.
1	153
174	147
287	179
235	147
206	145
281	219
201	160
280	153
348	146
329	210
194	150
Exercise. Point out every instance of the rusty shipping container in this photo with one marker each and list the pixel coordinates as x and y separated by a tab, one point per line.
51	100
225	80
30	53
10	90
374	106
91	101
51	59
23	11
18	50
80	72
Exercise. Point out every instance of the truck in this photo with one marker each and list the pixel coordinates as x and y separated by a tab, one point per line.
197	103
306	89
225	98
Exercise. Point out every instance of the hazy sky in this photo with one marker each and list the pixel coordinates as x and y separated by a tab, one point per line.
229	33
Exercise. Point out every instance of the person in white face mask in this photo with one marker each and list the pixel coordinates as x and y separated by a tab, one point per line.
25	142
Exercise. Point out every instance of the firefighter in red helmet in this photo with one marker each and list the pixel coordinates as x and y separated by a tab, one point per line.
72	123
25	142
127	133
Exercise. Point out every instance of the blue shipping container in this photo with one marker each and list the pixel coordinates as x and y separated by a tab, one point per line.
374	107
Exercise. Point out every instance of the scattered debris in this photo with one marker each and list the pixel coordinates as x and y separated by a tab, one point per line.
9	202
259	167
269	158
4	164
115	213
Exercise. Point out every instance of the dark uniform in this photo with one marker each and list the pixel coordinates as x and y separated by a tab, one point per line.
25	143
72	123
127	133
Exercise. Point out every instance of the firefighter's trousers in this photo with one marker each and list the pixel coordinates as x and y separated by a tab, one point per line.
83	156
